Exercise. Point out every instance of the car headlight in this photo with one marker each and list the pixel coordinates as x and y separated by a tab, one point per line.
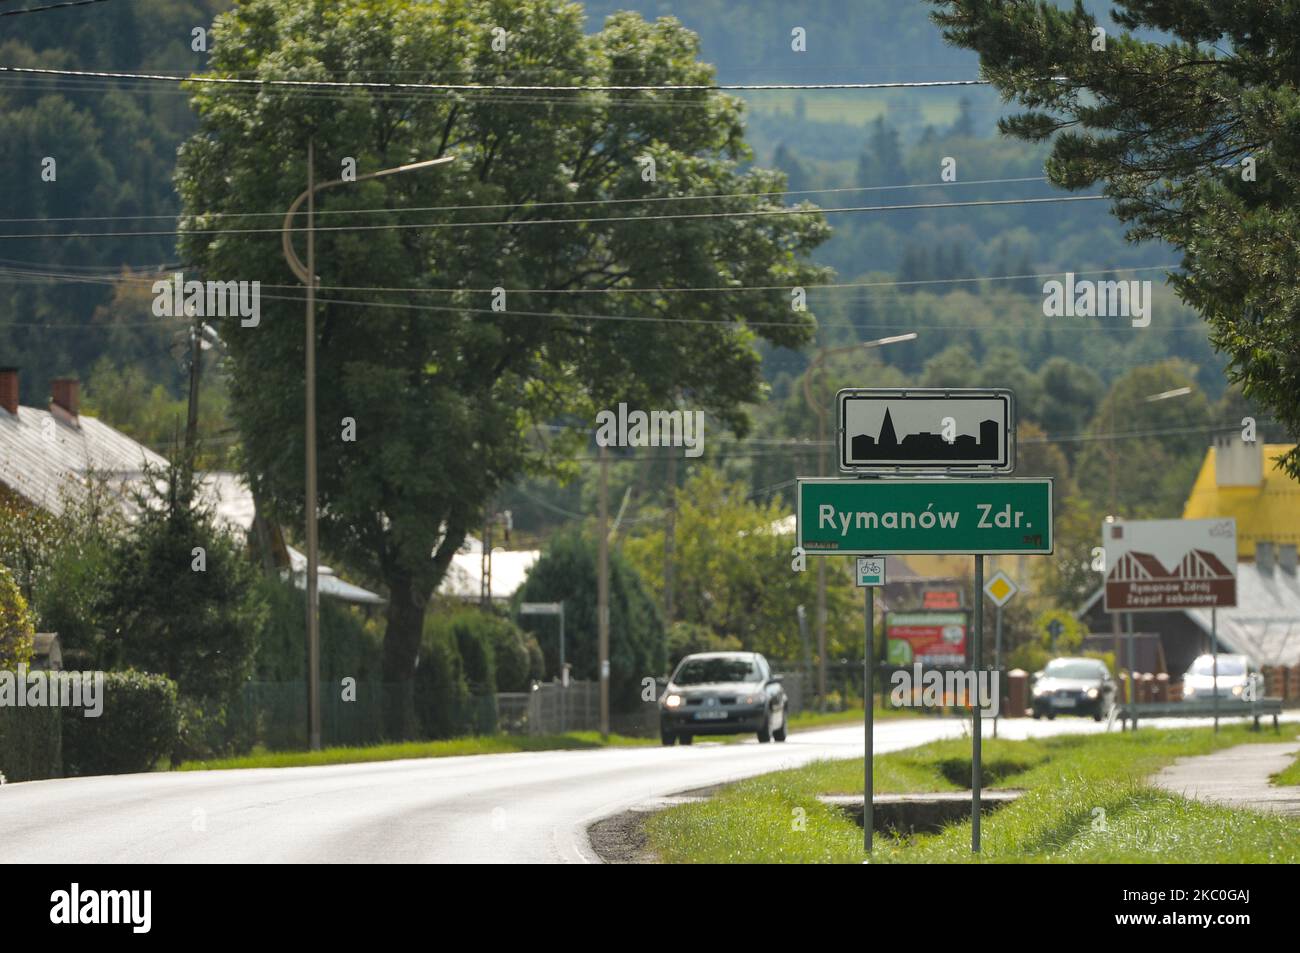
672	701
1093	693
1039	690
751	699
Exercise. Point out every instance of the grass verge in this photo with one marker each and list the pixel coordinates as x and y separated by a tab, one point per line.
485	744
1087	801
850	716
1290	776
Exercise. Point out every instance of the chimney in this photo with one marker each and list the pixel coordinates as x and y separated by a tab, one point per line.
1286	558
65	392
1237	463
1264	557
9	389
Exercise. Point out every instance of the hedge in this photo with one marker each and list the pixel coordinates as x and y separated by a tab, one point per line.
30	744
139	725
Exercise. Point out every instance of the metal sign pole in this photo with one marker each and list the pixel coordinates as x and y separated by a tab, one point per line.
1132	659
868	706
997	665
1214	647
976	738
564	679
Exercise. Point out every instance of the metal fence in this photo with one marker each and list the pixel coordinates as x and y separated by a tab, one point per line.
551	709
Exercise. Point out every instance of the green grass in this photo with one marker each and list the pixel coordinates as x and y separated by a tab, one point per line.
850	716
485	744
1290	776
1086	801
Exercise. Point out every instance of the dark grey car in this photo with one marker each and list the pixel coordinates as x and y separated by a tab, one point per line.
1073	686
723	693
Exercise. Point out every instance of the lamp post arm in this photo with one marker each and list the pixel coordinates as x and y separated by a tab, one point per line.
286	233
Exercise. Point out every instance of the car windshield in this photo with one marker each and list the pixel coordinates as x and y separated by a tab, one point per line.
702	671
1073	668
1228	665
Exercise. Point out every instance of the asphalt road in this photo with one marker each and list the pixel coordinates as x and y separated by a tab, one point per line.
505	808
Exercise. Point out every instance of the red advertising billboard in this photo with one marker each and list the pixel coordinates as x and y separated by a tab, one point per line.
931	638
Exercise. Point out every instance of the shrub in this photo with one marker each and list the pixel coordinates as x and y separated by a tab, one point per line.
687	638
140	724
567	572
183	599
16	630
30	743
348	647
441	693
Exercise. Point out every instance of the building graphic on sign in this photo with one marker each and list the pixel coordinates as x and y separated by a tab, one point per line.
1191	564
927	446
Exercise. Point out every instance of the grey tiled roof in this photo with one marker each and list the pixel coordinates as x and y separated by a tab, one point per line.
1265	624
44	457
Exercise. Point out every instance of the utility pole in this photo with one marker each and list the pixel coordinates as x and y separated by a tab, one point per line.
820	409
313	550
670	540
602	592
196	368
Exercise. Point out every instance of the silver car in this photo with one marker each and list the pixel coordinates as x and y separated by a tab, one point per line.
1238	678
723	693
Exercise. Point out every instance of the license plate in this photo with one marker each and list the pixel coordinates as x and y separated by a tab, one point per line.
710	715
1064	702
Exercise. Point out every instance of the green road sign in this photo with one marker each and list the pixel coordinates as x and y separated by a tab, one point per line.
873	517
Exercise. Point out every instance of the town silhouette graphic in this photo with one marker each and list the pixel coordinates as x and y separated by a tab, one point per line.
886	446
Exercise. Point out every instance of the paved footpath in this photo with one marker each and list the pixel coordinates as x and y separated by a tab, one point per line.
1237	777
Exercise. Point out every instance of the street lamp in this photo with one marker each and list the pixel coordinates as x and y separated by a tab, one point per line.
819	407
1114	507
306	273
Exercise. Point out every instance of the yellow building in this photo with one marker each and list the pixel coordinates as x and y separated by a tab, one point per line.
1243	480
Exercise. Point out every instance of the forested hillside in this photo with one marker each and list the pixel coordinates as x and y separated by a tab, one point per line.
954	275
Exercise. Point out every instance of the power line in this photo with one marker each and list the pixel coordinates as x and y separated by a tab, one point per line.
532	205
683	216
52	6
149	278
478	87
646	319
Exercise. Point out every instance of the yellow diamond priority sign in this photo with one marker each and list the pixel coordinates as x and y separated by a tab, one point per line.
1000	588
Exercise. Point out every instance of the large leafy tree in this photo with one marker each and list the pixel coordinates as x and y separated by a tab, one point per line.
445	391
566	572
1192	129
732	571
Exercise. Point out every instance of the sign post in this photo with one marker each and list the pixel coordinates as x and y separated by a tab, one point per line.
999	589
932	432
977	737
553	608
871	575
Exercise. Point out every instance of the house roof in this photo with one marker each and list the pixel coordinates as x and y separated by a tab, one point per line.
1268	512
1265	624
44	455
464	578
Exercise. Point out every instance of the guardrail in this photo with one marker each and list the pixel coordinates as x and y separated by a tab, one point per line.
1226	708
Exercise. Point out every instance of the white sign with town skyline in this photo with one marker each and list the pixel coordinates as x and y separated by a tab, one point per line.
926	429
